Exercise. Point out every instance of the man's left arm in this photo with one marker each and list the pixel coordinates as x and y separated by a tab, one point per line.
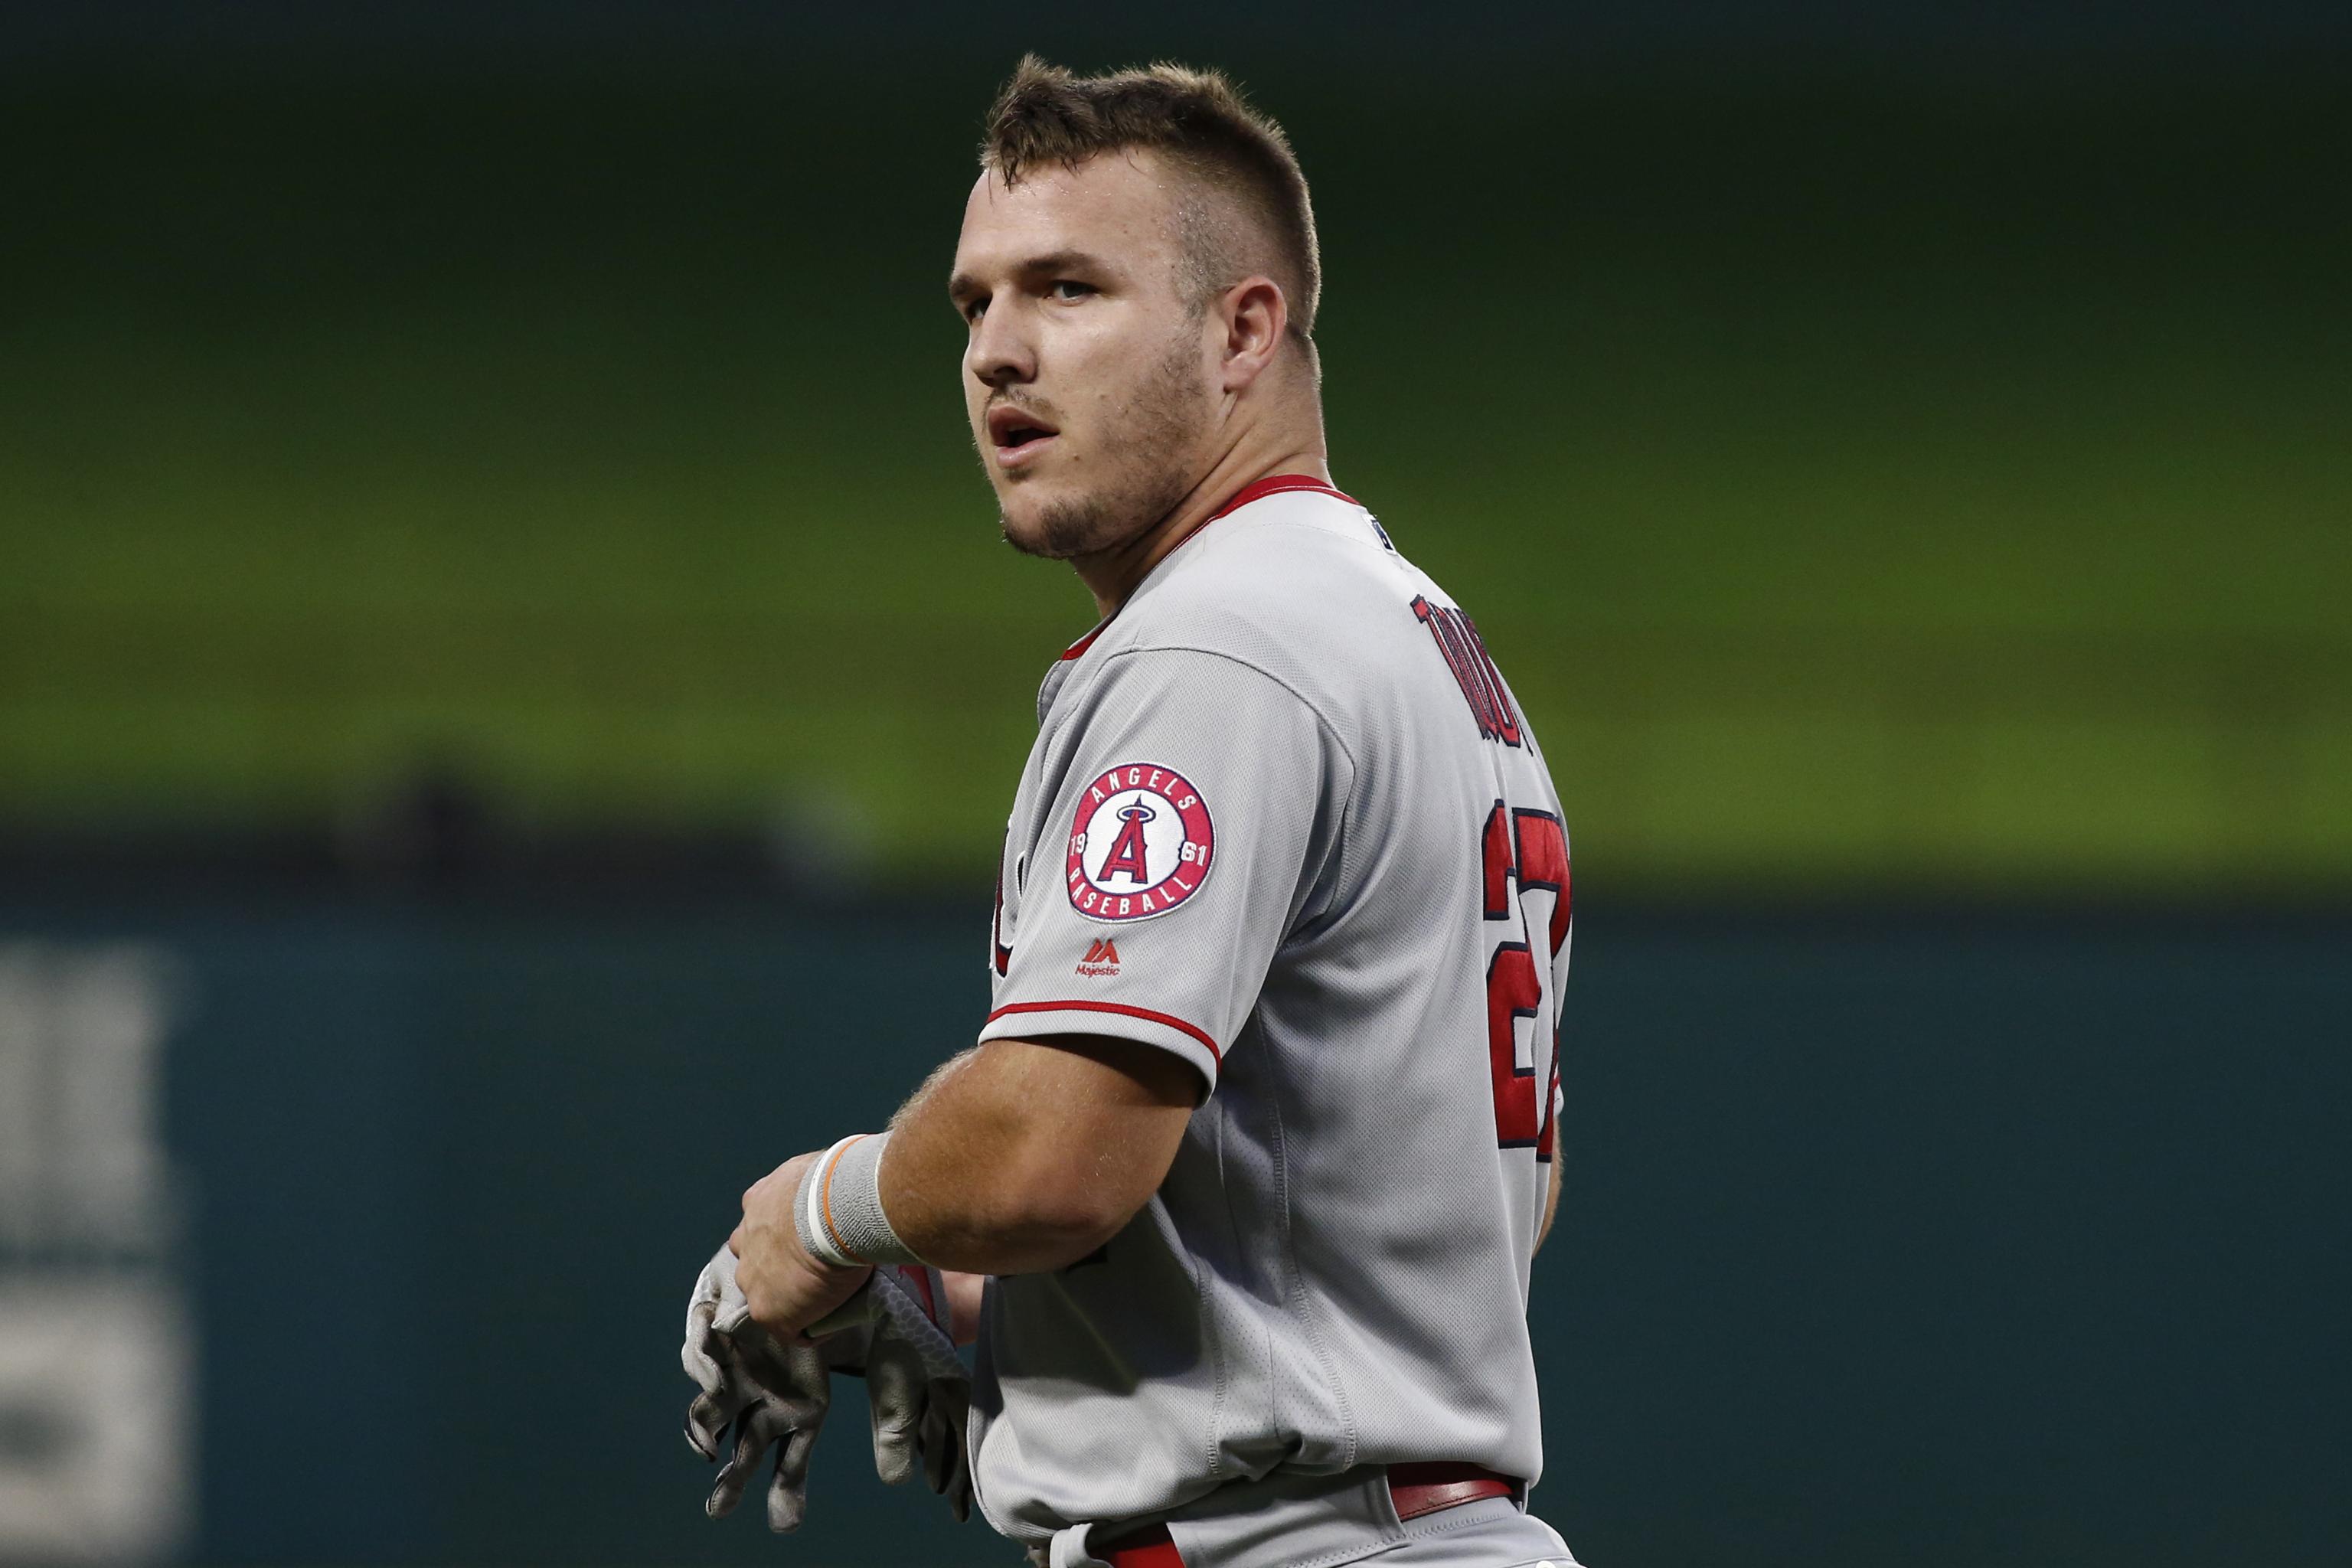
1036	1148
1017	1156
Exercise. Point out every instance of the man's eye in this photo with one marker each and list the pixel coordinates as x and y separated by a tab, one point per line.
972	309
1067	290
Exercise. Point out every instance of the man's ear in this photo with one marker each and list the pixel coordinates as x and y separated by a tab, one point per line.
1257	317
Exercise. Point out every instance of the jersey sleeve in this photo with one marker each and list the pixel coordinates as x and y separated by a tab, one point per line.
1197	803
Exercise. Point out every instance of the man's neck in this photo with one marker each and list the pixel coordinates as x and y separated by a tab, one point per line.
1112	574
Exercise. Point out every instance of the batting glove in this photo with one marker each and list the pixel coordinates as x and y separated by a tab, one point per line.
755	1393
896	1335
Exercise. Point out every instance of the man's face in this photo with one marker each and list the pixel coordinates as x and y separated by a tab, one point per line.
1087	375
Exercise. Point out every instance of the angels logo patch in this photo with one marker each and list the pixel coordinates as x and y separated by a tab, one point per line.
1143	843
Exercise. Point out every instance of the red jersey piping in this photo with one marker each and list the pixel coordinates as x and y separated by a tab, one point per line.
1276	484
1079	647
1256	490
1121	1008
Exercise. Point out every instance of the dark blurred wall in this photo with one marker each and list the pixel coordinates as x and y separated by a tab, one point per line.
1927	1240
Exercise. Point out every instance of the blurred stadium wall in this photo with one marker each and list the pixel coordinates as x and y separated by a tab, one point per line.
502	637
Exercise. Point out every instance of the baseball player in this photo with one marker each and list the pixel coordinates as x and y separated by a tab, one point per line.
1239	1190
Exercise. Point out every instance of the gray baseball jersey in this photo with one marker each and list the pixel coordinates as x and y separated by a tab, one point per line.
1285	819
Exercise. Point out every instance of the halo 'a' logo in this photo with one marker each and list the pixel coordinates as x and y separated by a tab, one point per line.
1141	845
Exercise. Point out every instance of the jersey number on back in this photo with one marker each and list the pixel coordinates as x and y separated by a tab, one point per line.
1523	852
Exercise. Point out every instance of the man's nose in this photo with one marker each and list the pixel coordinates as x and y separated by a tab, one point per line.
1000	354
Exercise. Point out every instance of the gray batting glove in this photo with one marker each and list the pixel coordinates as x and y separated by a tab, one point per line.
895	1335
713	1287
756	1393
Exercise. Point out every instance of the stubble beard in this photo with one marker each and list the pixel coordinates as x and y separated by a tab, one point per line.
1160	423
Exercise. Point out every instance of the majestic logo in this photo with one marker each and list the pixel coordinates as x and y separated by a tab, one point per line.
1140	845
1101	959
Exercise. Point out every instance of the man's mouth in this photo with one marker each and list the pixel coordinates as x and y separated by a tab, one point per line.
1017	433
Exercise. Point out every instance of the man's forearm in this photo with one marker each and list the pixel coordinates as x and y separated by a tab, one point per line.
1020	1157
952	1188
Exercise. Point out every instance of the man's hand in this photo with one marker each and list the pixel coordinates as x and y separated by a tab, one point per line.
787	1290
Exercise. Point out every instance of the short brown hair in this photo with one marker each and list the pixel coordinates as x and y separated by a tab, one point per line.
1198	120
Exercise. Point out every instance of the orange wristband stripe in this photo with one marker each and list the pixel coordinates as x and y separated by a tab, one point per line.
825	1195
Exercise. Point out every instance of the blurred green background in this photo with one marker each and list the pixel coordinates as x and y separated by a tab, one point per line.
1870	477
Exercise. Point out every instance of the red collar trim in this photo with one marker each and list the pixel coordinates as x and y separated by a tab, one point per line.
1276	484
1256	490
1079	647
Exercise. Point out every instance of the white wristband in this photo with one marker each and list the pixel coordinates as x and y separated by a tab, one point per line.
838	1210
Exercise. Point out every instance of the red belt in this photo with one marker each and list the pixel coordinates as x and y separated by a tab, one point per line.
1415	1488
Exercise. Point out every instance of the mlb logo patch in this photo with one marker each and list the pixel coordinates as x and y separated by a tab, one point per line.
1143	843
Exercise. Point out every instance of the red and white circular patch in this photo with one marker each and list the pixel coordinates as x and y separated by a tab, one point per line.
1141	845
